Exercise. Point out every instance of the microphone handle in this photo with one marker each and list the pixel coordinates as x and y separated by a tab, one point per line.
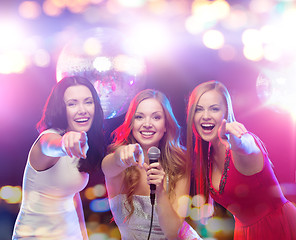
152	186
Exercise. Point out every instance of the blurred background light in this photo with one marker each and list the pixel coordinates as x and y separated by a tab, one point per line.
96	191
100	190
149	38
11	194
253	52
205	211
213	39
92	46
51	8
198	200
99	205
12	62
102	64
216	225
12	35
264	38
184	202
132	3
237	18
30	9
42	58
261	6
251	37
89	193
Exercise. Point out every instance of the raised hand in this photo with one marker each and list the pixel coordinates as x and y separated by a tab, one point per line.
234	128
75	144
131	155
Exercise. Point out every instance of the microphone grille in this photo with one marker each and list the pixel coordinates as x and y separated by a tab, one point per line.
153	153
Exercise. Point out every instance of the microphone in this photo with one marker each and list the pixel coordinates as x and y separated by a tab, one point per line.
153	155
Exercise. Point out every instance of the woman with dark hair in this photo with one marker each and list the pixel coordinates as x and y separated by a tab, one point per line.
69	147
232	166
149	122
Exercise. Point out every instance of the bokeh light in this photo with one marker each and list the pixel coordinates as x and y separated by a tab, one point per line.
237	18
184	203
216	225
213	39
51	9
132	3
198	209
261	6
198	200
30	9
151	33
100	190
11	194
99	205
41	58
149	38
96	191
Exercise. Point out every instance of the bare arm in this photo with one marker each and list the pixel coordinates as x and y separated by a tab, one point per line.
80	214
114	164
123	157
51	146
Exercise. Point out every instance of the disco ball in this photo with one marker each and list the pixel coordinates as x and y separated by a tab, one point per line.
275	89
264	87
102	55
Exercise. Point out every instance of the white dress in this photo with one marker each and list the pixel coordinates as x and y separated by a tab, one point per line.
47	210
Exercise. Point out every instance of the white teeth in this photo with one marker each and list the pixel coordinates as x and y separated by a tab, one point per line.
81	120
147	133
207	125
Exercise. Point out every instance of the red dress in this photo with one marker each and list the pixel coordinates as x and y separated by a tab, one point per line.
257	203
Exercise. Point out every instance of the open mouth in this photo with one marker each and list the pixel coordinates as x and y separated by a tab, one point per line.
147	134
207	126
81	120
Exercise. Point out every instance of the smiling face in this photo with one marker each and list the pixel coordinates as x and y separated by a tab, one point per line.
149	123
80	108
209	113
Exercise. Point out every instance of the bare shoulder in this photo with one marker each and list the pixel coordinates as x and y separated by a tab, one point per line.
38	160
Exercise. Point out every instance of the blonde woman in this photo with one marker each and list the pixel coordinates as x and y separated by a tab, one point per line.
233	167
149	122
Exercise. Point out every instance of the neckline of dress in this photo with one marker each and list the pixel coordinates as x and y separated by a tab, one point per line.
223	178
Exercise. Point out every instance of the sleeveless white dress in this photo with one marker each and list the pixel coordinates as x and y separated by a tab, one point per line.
47	210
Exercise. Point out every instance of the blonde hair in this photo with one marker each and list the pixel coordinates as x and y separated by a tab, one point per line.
172	159
197	148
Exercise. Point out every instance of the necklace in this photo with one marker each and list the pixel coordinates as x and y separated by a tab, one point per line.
224	174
